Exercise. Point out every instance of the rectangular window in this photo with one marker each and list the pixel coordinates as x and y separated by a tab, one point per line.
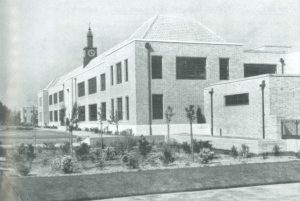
92	85
51	116
120	109
112	107
55	98
191	68
93	112
112	75
119	73
62	116
61	96
81	89
224	68
259	69
157	101
81	113
55	116
156	67
50	100
103	111
127	108
103	82
126	70
237	99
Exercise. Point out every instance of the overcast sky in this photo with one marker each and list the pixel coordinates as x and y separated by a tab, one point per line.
43	39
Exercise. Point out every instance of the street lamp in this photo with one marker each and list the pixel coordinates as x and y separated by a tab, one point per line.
211	92
262	86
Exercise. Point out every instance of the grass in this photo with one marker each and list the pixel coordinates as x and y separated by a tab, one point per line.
85	187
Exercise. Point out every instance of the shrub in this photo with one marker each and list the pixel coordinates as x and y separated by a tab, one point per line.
56	164
265	155
245	151
174	145
22	149
100	164
30	152
131	142
110	153
83	151
234	152
144	146
206	155
23	168
120	147
167	157
133	162
298	154
86	129
67	164
186	147
127	132
65	148
45	162
276	150
199	145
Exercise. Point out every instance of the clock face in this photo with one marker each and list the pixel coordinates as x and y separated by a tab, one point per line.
91	53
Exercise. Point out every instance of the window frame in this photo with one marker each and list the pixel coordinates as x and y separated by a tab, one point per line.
103	111
158	68
221	70
61	96
92	87
127	107
50	99
180	69
102	82
94	116
111	75
120	108
81	85
126	69
236	99
119	72
81	113
161	112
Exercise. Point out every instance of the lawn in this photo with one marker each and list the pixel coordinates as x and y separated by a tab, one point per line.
97	186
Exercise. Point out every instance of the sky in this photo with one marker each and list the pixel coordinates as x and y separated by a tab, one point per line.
43	39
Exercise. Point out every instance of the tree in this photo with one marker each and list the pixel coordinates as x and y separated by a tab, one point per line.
191	115
101	118
114	119
73	121
169	114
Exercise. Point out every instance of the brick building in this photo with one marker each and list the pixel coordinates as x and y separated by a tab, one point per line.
185	57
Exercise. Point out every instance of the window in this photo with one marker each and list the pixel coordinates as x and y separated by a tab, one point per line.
51	116
157	101
259	69
119	73
191	68
55	98
92	85
156	67
112	75
127	107
112	107
81	113
103	111
126	70
81	89
103	82
93	112
237	99
224	68
120	109
55	116
40	101
50	100
61	96
62	116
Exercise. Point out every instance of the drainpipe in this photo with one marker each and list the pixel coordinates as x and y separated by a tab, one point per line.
211	92
263	85
282	65
149	50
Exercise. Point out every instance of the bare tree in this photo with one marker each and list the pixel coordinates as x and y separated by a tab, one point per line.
169	114
191	115
114	119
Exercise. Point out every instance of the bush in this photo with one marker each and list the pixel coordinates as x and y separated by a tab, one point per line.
174	145
67	164
245	151
83	151
45	162
186	147
206	155
23	168
276	150
167	157
56	164
110	153
234	152
298	154
30	152
265	155
65	148
144	146
100	164
199	145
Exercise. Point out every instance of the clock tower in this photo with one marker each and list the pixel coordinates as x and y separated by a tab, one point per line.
90	52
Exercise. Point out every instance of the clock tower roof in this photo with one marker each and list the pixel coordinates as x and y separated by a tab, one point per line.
89	33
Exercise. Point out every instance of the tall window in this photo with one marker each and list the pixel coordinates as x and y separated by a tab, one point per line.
191	68
81	89
93	112
126	70
224	68
112	75
112	103
51	116
127	107
103	82
120	109
156	67
119	73
50	100
92	85
81	113
237	99
157	103
55	98
103	111
55	116
61	96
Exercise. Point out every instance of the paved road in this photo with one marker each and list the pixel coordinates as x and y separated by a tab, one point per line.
278	192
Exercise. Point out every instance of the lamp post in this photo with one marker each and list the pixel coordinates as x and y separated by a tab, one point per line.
262	86
282	65
149	50
211	92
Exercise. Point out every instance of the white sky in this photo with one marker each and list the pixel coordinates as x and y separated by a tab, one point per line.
43	39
